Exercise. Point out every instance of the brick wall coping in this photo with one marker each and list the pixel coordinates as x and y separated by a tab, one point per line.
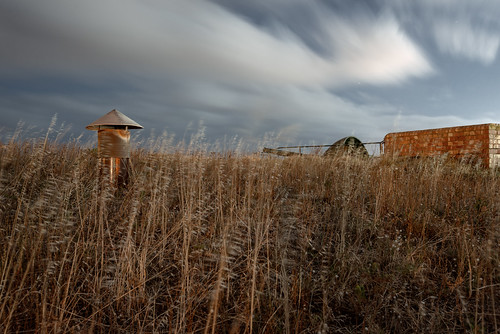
456	128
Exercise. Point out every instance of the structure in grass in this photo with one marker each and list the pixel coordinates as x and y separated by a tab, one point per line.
473	141
113	137
351	145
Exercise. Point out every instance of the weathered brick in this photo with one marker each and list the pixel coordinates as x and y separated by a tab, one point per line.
476	140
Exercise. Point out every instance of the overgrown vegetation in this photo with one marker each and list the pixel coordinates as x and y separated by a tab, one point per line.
232	243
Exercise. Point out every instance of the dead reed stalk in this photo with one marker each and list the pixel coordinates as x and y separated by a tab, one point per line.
246	244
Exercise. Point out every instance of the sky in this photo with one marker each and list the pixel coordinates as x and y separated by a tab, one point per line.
297	71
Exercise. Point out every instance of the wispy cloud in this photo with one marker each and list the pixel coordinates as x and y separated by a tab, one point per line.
200	38
461	39
460	28
169	63
375	50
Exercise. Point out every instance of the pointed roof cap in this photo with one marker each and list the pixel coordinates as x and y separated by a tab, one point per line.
114	118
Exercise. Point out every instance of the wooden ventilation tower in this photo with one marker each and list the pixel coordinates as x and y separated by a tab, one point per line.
113	137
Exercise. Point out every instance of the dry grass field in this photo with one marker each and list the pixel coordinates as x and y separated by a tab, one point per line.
235	243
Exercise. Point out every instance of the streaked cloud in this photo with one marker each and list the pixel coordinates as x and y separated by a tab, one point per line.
375	50
461	39
307	70
199	38
460	28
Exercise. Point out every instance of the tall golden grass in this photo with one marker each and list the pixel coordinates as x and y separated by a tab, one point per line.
241	243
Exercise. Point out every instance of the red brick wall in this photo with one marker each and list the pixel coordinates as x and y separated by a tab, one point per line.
481	141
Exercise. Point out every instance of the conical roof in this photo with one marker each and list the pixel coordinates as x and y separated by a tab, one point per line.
114	118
